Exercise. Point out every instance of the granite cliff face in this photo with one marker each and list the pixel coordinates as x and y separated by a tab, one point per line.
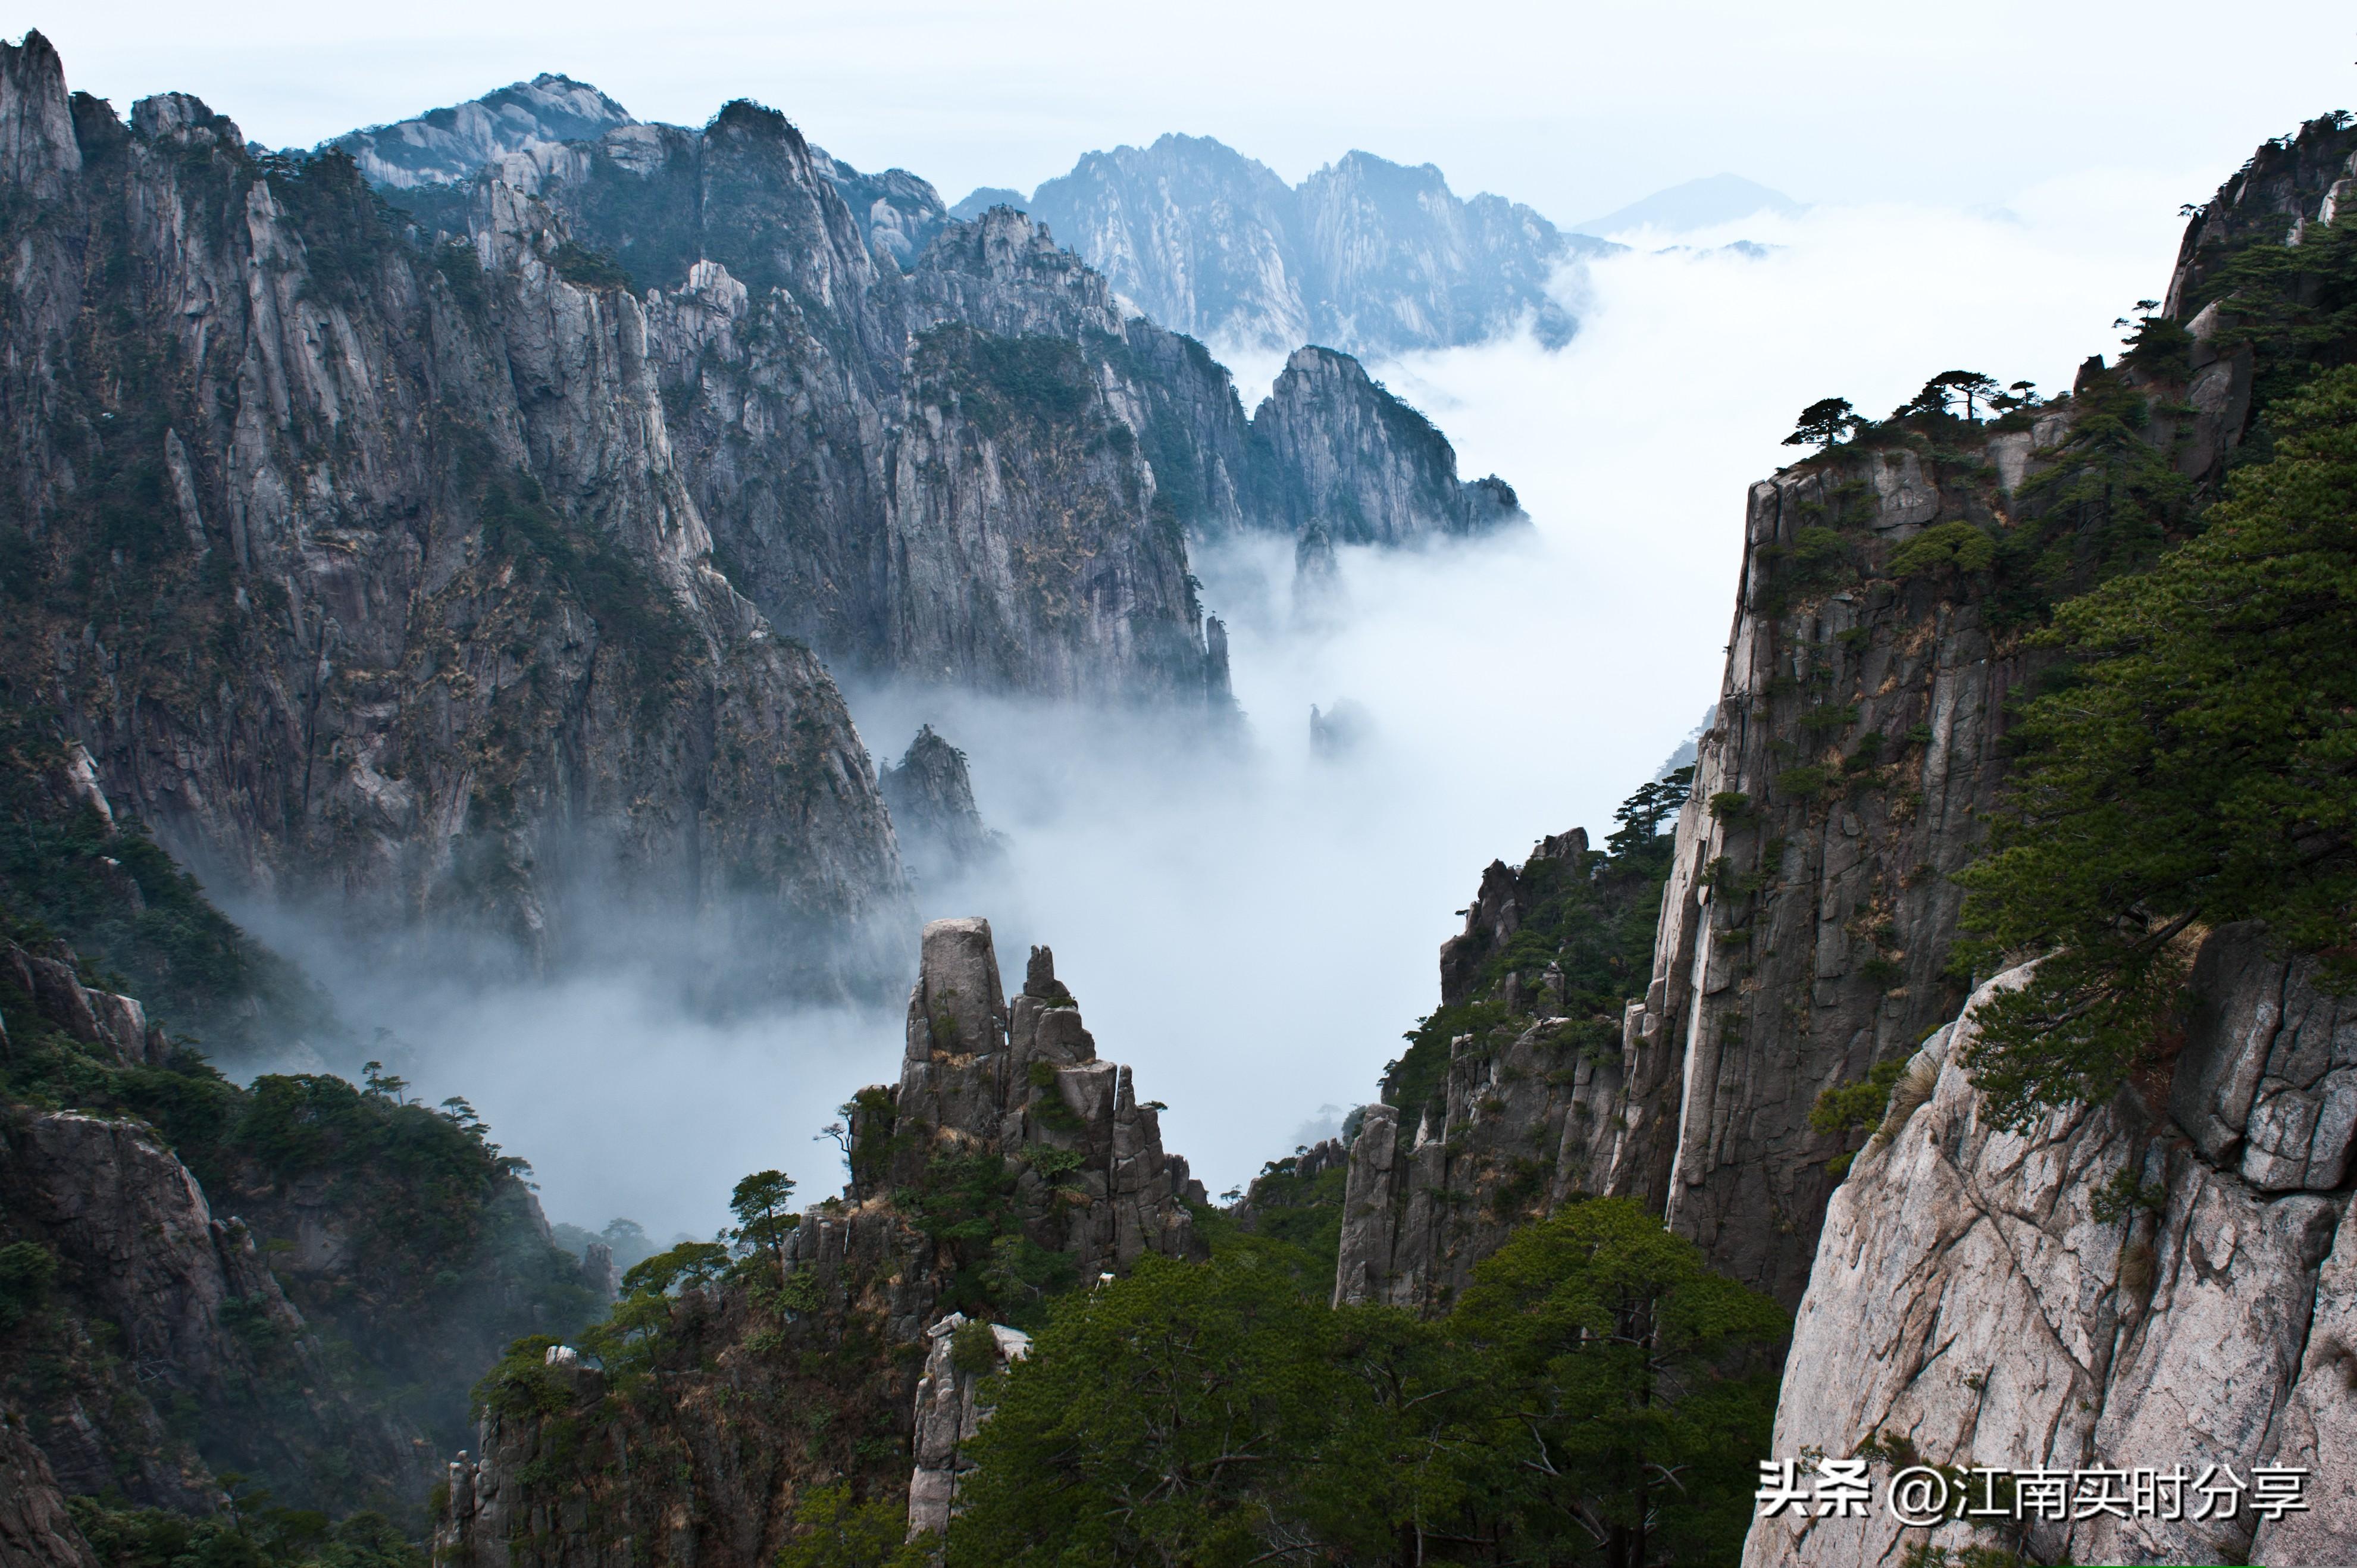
1367	255
932	796
448	146
36	1531
1807	917
1367	467
365	570
2148	1282
1007	1163
368	555
443	145
978	470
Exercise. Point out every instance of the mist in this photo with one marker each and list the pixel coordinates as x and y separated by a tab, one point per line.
1251	923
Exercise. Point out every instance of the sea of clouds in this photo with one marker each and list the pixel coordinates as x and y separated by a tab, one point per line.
1251	925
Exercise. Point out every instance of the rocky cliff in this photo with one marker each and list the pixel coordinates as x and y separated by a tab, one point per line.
297	1282
942	831
1367	255
36	1531
1009	1163
443	145
979	468
365	569
1368	469
1807	919
2159	1280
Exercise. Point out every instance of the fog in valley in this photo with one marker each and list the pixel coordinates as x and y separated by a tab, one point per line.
1251	923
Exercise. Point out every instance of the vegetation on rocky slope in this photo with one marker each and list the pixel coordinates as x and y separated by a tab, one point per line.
405	1238
1598	1395
1592	915
2200	768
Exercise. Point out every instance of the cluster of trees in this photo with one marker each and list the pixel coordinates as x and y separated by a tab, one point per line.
1596	1396
2198	766
1950	394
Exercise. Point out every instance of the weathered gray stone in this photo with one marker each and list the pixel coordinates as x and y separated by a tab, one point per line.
2008	1300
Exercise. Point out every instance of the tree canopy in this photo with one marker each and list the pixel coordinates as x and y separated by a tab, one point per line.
1823	424
1598	1396
2198	766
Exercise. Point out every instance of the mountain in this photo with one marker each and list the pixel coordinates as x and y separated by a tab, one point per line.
1696	204
295	1282
446	145
486	554
1366	256
1788	1080
1007	1165
982	198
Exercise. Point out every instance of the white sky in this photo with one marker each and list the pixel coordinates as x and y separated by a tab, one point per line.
1574	108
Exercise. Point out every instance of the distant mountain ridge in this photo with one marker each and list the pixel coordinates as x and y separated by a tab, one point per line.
1365	255
1696	204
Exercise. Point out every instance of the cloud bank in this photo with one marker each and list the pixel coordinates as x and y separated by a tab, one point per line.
1252	924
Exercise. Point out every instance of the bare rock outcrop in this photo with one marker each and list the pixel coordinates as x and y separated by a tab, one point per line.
950	1411
931	793
198	1321
1857	747
423	626
36	1531
1356	461
1002	1113
2109	1289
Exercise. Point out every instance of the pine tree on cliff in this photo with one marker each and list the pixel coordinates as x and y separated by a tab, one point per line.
1823	424
2200	768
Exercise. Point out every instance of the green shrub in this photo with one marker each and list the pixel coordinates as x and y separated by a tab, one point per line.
1800	783
1949	546
974	1349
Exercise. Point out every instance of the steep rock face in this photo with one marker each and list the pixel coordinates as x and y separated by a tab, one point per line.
443	145
1364	466
2291	185
931	796
983	1074
1806	923
936	476
1004	1116
310	1312
951	1404
1367	255
385	590
1027	553
2125	1284
983	471
35	1530
1477	1143
198	1315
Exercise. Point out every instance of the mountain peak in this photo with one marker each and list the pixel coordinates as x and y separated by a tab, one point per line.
1696	204
450	144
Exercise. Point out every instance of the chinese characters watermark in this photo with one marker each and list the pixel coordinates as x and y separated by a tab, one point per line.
1925	1494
